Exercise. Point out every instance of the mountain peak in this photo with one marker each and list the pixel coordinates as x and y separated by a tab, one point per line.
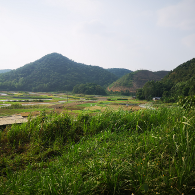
54	54
54	72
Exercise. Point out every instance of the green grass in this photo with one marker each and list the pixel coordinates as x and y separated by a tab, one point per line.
143	152
88	104
26	96
10	111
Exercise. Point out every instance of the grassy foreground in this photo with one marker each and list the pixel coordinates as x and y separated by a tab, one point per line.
121	152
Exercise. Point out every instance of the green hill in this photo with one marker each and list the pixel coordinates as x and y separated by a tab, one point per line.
119	72
182	73
179	82
182	79
4	70
54	72
132	81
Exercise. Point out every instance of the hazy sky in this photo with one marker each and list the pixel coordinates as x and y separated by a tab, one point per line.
132	34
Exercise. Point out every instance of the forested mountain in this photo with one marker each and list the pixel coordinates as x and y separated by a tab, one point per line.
179	82
134	80
5	70
119	72
54	72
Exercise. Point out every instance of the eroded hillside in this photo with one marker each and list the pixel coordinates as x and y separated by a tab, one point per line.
136	80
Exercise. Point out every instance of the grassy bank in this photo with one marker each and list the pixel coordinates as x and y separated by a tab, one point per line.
122	152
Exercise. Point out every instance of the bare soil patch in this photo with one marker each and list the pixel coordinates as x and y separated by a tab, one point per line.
17	118
26	114
102	98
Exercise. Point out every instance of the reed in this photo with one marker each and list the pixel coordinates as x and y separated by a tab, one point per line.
114	152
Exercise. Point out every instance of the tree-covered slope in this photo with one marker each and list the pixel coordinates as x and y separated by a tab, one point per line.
182	73
54	72
132	81
119	72
4	70
89	89
179	82
182	79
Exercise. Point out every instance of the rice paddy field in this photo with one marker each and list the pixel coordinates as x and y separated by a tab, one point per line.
97	145
28	103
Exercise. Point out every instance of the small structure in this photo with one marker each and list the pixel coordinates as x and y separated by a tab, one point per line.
156	98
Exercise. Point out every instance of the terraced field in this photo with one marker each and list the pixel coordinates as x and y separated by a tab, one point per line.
15	107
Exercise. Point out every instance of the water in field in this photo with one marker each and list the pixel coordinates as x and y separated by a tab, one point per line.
62	101
3	94
5	105
148	106
34	104
23	100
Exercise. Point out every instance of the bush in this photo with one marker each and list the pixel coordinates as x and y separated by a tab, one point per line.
187	102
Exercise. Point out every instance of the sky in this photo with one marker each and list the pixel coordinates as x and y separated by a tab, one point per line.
132	34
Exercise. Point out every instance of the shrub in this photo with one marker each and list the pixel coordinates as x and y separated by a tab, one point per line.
187	102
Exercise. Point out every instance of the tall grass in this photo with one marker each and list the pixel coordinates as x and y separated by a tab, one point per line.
123	152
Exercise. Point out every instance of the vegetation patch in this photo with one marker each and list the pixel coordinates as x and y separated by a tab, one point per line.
89	89
113	152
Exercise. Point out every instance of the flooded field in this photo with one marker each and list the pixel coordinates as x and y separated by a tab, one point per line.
17	106
3	94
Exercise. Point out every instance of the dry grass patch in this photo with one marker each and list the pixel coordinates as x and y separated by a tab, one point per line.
26	114
123	107
92	108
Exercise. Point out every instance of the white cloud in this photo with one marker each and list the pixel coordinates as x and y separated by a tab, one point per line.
189	41
181	15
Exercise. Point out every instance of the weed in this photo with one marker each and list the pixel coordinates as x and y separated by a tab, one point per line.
113	152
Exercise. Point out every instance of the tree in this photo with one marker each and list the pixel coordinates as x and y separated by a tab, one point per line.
89	89
140	94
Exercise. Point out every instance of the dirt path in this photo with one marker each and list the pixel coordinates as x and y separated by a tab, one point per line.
9	120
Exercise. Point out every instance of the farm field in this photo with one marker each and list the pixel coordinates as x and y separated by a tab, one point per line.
97	145
16	104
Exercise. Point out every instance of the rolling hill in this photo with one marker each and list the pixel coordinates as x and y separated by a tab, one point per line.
54	72
135	80
119	72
